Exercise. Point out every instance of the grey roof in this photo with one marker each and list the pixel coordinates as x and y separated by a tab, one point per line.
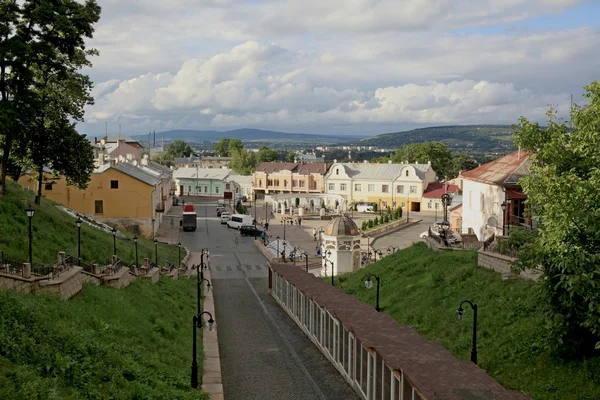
137	173
380	171
341	226
201	173
183	160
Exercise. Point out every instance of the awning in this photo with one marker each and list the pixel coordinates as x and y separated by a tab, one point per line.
515	194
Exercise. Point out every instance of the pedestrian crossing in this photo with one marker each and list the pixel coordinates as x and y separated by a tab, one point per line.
239	271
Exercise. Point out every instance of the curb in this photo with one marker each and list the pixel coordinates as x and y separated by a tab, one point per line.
212	381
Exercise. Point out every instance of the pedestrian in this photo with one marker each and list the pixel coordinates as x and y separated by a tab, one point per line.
315	234
299	221
262	236
266	226
318	252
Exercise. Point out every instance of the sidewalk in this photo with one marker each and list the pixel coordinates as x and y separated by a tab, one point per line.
168	231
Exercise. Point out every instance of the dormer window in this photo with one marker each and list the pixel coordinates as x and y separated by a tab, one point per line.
337	171
406	172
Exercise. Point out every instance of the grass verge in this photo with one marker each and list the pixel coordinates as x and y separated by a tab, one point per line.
54	231
423	288
132	343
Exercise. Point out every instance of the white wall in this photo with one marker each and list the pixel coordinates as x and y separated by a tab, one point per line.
483	220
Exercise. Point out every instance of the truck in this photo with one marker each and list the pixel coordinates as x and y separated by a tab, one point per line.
189	221
189	207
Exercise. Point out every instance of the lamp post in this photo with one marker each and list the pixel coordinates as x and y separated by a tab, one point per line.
503	205
178	254
153	227
445	226
283	255
283	221
508	204
135	240
277	245
460	312
203	264
78	222
255	214
114	232
327	260
393	249
197	322
29	210
380	210
408	206
156	252
369	285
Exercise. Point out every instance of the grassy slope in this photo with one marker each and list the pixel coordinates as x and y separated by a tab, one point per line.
54	231
105	343
423	288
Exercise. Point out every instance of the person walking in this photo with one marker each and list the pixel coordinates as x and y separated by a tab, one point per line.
299	221
262	237
266	226
315	234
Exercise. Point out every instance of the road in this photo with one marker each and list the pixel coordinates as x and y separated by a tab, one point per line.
264	354
406	237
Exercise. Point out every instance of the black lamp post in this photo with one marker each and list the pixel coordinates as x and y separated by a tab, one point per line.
460	312
325	257
445	226
380	210
114	232
283	255
179	255
78	222
369	285
153	220
255	215
156	252
503	205
197	321
203	265
135	241
277	246
393	249
29	210
508	204
283	221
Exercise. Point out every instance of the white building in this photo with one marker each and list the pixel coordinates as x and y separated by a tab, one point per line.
388	185
201	182
241	185
486	188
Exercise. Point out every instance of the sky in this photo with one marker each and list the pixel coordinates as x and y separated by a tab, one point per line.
352	67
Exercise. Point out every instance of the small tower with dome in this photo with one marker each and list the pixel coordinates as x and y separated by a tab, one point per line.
341	238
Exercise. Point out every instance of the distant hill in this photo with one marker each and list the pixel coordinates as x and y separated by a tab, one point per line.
457	137
249	136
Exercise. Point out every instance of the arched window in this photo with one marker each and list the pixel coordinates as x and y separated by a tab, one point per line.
406	172
337	171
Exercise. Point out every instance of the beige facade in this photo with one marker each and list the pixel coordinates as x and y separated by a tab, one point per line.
202	162
270	178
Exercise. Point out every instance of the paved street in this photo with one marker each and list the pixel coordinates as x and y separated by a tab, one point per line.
264	355
406	237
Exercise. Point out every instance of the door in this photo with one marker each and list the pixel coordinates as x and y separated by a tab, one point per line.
181	190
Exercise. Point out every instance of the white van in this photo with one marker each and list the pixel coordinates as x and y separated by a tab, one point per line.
237	220
225	217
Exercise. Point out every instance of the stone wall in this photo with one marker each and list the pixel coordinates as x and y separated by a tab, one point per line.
17	283
67	285
119	280
503	265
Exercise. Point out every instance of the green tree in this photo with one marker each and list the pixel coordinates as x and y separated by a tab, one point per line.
563	189
290	156
266	154
164	158
226	146
243	161
179	148
381	160
436	152
461	162
46	37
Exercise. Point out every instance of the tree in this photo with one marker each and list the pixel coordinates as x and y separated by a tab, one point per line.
243	161
179	148
37	37
226	146
164	158
461	163
563	189
436	152
266	154
290	156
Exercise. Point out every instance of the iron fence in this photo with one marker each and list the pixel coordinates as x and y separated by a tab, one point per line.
11	265
112	268
87	267
43	271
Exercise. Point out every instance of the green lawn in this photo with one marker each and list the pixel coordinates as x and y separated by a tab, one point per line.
54	231
423	288
131	343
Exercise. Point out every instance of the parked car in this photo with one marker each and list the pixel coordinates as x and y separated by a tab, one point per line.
435	230
250	230
225	217
241	198
220	210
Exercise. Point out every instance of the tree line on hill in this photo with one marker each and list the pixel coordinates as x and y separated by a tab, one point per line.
42	90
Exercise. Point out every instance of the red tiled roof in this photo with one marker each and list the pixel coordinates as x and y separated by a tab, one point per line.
303	169
428	365
499	170
435	190
275	166
312	168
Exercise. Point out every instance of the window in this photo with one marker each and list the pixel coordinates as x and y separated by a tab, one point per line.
385	188
429	205
371	188
403	204
99	207
294	183
357	187
384	204
364	362
301	183
114	184
331	186
199	189
400	189
217	190
227	187
276	182
337	171
285	183
481	202
406	173
436	205
343	187
387	381
406	388
48	186
189	189
413	189
260	182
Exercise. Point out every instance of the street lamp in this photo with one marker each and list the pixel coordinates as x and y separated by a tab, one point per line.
283	222
460	312
78	222
114	232
135	241
156	252
393	249
283	255
369	285
325	257
29	210
153	220
503	205
179	255
277	245
197	322
203	265
380	211
508	203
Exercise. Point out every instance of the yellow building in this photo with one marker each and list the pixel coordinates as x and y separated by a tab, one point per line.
130	195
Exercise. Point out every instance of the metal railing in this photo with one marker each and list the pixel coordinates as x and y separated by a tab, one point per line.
435	237
87	267
43	271
11	265
112	268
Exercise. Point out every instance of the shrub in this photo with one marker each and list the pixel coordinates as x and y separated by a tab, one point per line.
387	218
364	226
376	221
370	223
